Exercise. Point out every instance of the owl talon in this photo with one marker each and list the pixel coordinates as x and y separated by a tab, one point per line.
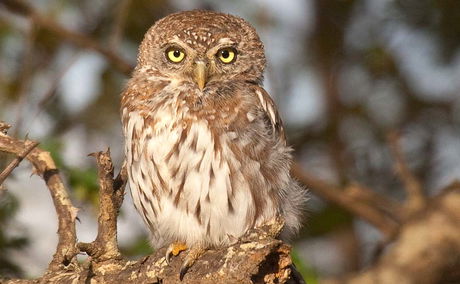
184	268
190	259
174	249
168	256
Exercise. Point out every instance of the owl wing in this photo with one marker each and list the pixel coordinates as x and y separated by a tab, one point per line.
269	107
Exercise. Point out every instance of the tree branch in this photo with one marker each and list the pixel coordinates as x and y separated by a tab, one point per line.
22	8
261	261
390	207
11	166
427	248
66	212
337	196
111	196
415	197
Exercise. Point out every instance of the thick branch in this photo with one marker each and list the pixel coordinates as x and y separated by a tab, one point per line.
426	251
66	212
261	261
346	201
22	8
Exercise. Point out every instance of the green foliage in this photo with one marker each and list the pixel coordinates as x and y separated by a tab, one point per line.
54	146
138	247
84	184
327	220
308	273
8	208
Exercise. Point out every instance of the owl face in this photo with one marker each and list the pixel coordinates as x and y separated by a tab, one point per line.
203	48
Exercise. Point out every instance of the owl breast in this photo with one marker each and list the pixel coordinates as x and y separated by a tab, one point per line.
187	182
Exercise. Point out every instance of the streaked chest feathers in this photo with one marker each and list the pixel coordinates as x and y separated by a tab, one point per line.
189	181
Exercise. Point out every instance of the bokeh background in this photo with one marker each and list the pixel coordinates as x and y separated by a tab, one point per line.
344	74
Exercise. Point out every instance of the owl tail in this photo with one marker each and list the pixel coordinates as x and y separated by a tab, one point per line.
293	209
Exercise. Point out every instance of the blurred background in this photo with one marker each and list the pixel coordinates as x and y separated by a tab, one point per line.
344	74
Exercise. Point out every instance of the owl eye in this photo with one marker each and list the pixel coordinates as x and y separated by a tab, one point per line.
175	54
226	55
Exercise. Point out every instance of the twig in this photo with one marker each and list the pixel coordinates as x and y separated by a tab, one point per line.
339	197
390	207
30	145
415	197
111	195
22	8
66	212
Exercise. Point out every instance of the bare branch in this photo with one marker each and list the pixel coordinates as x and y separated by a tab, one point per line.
415	197
346	201
66	212
390	207
22	8
7	171
427	250
111	195
261	261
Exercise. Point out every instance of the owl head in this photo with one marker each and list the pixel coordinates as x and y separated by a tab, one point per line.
203	48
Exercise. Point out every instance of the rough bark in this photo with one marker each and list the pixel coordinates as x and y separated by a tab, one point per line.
260	261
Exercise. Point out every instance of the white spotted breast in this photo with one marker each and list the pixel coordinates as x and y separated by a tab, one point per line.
181	185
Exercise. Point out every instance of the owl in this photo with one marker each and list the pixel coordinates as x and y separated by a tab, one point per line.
206	153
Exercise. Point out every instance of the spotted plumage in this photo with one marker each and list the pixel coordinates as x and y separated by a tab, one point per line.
205	148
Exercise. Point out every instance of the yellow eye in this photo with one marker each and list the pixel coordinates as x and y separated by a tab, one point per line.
227	55
175	54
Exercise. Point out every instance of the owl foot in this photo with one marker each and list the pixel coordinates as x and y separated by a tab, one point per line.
194	253
174	249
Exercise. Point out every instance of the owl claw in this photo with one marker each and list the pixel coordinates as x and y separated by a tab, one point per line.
168	256
184	268
174	249
190	259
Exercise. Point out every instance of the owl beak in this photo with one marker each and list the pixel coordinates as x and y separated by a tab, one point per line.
200	74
